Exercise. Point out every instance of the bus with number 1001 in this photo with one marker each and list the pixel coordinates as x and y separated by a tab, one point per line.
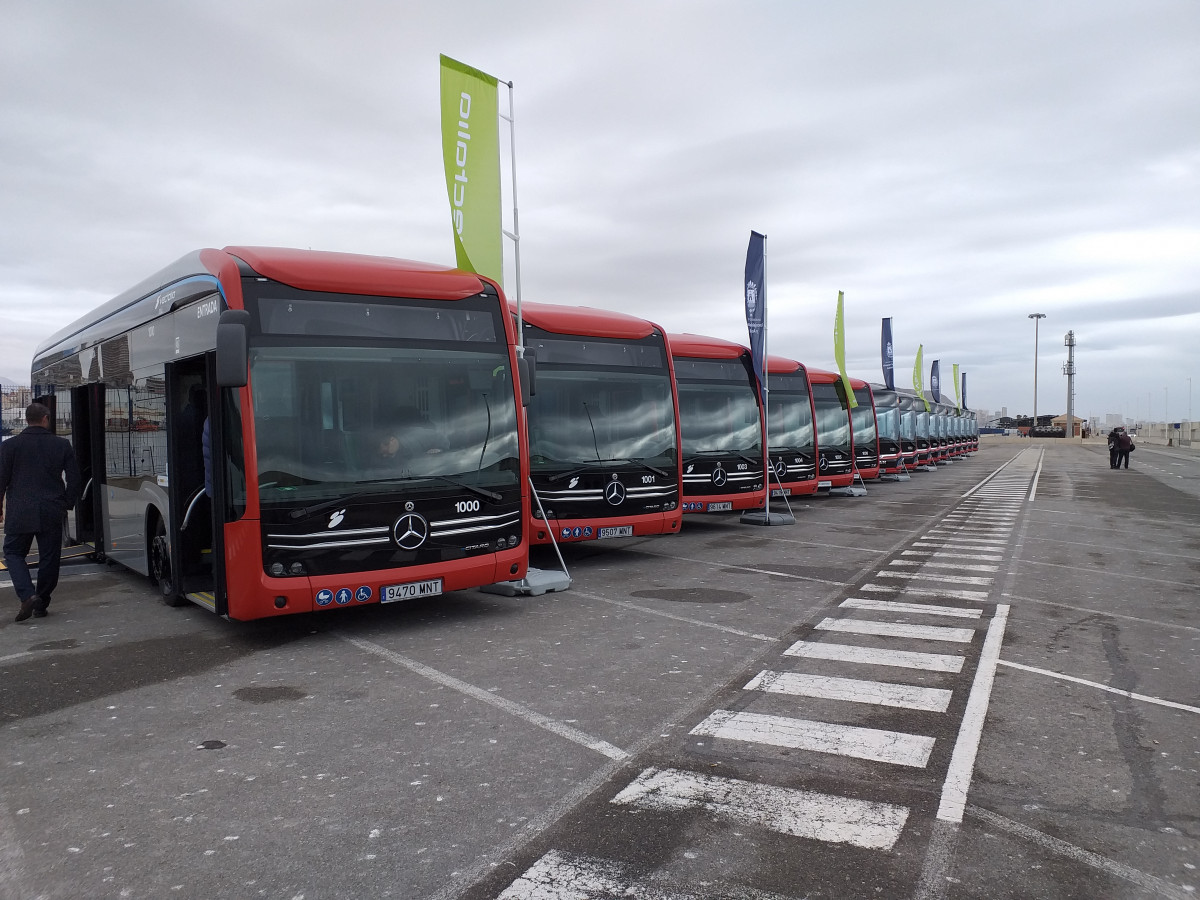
361	416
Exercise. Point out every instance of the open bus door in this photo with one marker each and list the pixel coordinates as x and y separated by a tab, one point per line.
188	567
87	439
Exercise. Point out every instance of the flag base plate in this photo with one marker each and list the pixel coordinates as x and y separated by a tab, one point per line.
763	517
848	492
894	477
535	583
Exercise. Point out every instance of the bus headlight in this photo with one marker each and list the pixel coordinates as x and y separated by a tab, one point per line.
513	540
277	569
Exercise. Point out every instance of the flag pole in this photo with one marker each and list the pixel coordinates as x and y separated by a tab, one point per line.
515	234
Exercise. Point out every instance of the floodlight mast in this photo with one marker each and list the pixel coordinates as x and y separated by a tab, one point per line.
1037	317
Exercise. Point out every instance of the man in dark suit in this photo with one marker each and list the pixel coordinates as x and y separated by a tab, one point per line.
33	502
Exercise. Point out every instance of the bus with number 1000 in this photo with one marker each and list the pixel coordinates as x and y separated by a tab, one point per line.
362	418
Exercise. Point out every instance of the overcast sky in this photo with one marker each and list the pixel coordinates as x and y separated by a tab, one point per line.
954	165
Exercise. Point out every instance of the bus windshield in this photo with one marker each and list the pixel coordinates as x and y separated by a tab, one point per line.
908	425
833	425
889	422
718	417
586	416
789	420
333	419
863	417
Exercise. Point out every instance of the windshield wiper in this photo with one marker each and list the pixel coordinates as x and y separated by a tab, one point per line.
737	453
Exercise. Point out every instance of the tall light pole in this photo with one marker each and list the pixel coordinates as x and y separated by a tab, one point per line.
1037	318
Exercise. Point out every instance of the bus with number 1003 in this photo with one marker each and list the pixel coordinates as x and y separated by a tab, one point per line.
360	416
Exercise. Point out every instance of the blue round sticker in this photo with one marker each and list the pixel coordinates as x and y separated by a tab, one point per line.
343	596
566	532
363	594
324	597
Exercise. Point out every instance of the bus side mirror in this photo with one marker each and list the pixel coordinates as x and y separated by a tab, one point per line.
527	372
233	348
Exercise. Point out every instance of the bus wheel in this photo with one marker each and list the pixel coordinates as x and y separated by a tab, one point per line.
160	565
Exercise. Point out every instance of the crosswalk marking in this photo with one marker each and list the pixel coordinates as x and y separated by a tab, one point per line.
839	820
873	656
571	876
943	593
852	690
929	564
935	576
875	744
930	609
892	629
945	555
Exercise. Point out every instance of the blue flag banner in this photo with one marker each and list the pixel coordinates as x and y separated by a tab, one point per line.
885	349
964	390
756	304
935	383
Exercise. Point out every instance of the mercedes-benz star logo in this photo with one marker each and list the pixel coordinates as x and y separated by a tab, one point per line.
780	467
719	476
410	531
614	493
824	463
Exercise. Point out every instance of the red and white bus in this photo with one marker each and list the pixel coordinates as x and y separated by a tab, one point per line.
888	419
362	419
720	425
865	430
603	427
790	429
835	441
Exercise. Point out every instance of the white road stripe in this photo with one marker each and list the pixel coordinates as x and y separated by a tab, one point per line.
944	593
892	629
875	744
962	760
992	556
1103	687
509	706
568	876
872	656
851	690
895	606
823	817
937	576
929	564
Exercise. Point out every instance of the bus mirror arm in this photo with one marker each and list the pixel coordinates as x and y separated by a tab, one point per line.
527	372
233	349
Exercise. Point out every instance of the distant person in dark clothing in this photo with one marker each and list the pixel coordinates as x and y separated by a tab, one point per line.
1124	445
1112	447
190	466
35	501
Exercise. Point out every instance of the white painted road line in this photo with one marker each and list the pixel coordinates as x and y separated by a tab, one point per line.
958	567
962	760
871	656
944	579
986	556
892	629
931	609
568	876
509	706
823	817
851	690
1158	701
875	744
942	593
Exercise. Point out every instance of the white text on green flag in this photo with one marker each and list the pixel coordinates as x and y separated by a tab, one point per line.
471	156
918	378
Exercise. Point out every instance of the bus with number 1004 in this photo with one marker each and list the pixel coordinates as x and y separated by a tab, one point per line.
603	425
267	431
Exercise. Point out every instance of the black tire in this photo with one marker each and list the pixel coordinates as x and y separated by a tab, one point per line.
161	571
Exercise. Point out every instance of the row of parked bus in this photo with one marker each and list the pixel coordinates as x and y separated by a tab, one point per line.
380	430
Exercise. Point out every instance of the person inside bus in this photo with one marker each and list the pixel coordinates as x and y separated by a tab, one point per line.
33	495
190	466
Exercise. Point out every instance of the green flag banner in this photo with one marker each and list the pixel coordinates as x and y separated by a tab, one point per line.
957	401
839	351
918	379
471	155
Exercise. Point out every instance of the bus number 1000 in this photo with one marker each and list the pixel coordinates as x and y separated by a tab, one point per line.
465	506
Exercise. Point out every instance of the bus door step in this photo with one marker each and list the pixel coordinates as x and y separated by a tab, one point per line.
535	583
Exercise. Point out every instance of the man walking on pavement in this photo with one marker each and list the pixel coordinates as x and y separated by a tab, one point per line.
33	503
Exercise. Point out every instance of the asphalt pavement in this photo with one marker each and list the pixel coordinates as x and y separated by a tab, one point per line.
980	682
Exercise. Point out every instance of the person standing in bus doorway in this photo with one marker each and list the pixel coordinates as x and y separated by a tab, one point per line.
34	502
